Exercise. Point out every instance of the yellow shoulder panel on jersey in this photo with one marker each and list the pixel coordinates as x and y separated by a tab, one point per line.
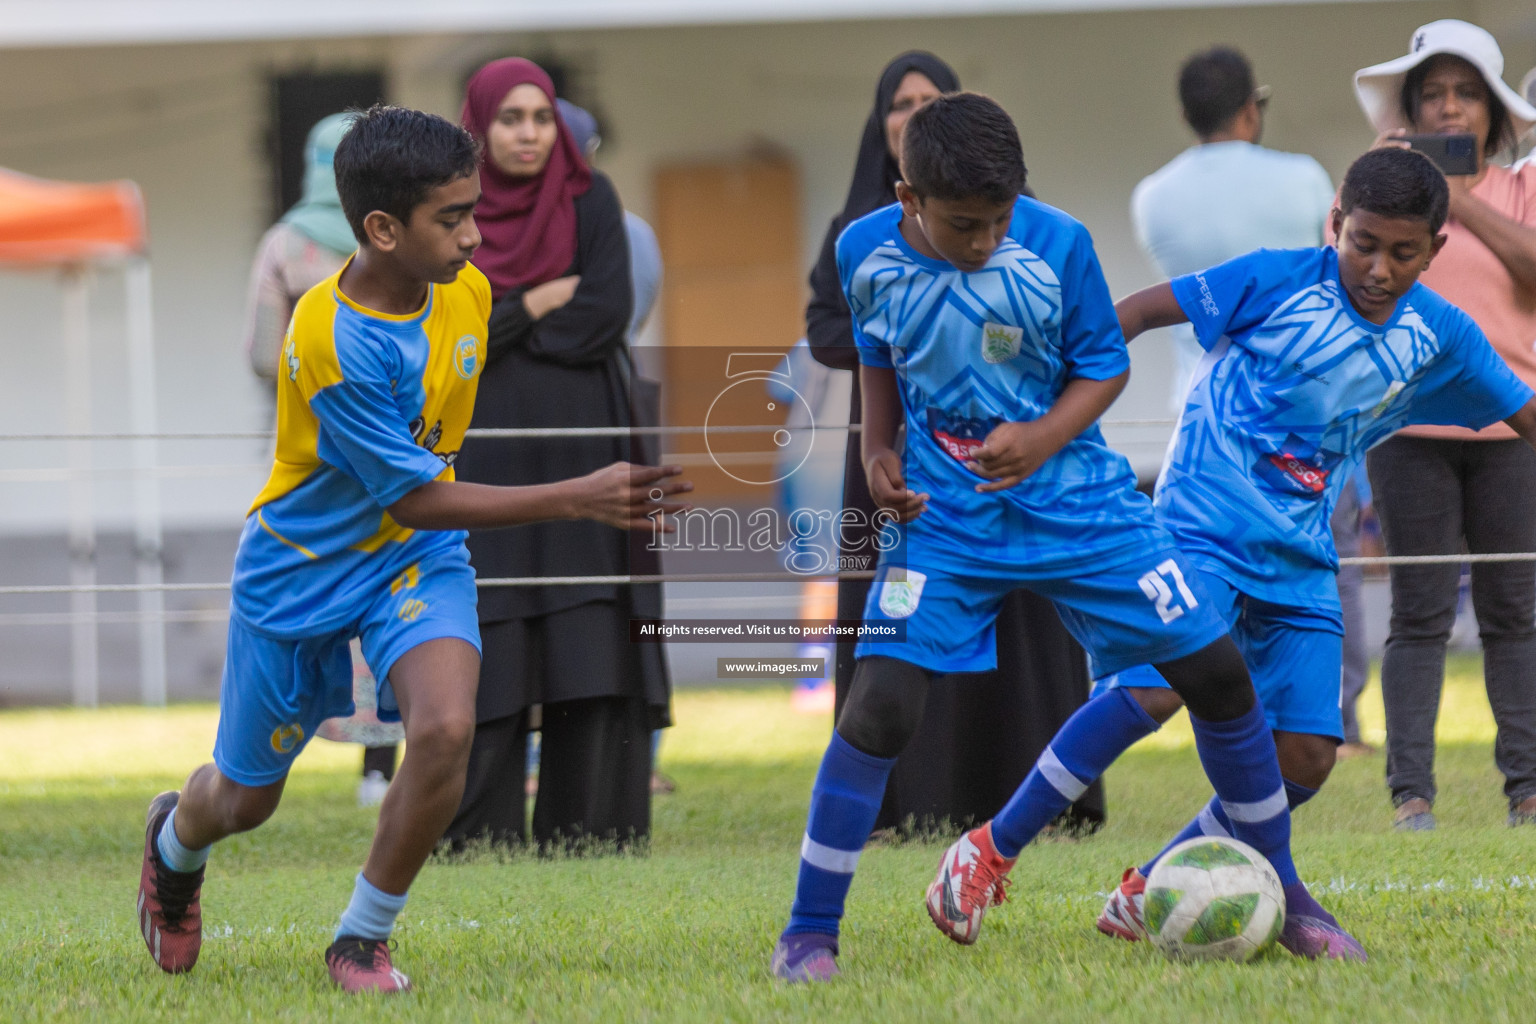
309	363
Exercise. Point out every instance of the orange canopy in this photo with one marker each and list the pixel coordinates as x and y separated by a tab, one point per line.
52	222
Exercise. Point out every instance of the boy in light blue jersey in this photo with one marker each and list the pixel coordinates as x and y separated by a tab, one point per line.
985	330
1312	357
359	532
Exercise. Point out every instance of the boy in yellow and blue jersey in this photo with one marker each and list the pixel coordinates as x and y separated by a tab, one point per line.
359	532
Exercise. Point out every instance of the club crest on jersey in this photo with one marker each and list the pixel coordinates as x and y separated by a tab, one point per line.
291	357
958	435
1000	342
286	737
466	356
900	592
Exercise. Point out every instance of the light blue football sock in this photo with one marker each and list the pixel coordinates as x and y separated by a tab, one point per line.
1239	759
372	912
1213	821
1096	734
172	854
844	804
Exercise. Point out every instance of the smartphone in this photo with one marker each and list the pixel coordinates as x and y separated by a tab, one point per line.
1453	154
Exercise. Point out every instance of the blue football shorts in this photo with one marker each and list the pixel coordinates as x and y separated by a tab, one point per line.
275	693
1147	609
1295	656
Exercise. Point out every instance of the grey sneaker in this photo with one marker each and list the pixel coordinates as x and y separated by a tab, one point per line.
1523	813
1414	815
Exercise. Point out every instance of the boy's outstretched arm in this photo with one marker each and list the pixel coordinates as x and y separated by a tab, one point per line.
1013	451
882	416
620	494
1151	307
1524	422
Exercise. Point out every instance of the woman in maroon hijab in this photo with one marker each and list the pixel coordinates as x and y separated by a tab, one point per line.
555	252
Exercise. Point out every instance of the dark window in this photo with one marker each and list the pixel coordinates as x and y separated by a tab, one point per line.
298	101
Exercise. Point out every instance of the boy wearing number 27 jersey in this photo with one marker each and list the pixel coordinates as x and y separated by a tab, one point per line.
1312	357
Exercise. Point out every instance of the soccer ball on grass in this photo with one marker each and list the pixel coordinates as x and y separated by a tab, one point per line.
1212	898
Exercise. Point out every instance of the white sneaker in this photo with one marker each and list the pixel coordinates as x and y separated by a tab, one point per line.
370	791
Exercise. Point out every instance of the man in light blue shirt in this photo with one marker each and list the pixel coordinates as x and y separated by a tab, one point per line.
1228	195
1222	199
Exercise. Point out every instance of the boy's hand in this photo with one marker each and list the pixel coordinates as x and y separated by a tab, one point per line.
627	496
1012	453
542	300
888	487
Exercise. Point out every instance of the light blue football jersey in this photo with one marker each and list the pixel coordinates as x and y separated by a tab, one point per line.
974	350
1295	386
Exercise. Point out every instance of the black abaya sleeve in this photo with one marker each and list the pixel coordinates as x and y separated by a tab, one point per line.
828	322
587	330
509	325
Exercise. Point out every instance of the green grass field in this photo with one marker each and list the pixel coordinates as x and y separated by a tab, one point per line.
684	933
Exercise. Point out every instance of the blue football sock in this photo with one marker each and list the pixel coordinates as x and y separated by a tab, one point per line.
172	854
1093	737
844	804
372	912
1213	821
1300	902
1239	759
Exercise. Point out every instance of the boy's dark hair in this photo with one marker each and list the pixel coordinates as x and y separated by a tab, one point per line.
1501	128
1213	86
1397	183
962	145
392	157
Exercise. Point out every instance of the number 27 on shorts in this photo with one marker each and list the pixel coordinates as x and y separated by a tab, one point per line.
1155	584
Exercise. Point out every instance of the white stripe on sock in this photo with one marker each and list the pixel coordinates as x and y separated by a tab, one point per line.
1060	778
1209	825
839	862
1249	814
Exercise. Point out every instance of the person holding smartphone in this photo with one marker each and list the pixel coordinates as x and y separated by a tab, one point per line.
1437	488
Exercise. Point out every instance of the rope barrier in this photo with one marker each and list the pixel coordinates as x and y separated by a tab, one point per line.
692	577
494	433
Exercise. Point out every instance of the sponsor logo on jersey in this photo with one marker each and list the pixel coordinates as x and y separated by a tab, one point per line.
466	357
1301	369
1000	342
1207	300
286	737
1297	468
428	439
960	436
1310	477
291	357
901	591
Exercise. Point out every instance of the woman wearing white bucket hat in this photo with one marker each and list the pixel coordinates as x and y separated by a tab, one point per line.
1438	488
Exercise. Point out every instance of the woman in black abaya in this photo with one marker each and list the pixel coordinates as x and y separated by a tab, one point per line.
981	732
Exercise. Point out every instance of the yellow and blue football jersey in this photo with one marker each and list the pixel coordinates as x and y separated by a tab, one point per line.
370	406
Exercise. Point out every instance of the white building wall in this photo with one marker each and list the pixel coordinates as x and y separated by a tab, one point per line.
1093	95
